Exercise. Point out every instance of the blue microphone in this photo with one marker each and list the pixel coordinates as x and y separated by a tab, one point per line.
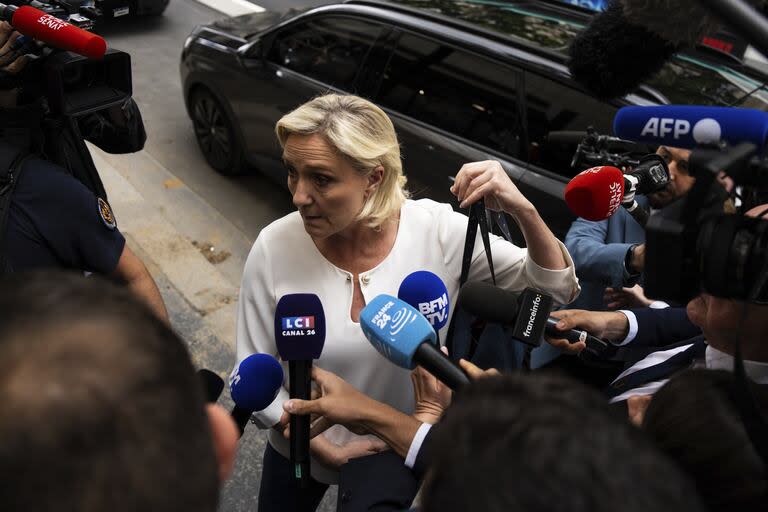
689	126
253	386
405	337
426	292
300	336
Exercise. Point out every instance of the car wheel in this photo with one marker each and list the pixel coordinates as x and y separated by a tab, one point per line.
215	134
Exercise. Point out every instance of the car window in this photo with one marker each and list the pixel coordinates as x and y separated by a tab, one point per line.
454	90
552	106
328	49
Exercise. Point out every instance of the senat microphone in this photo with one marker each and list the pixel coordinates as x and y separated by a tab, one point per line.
405	337
300	336
253	386
426	292
504	307
689	126
212	384
526	312
53	31
595	194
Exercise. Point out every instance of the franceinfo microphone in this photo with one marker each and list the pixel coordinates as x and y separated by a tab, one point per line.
53	31
526	312
689	126
254	385
426	292
300	336
402	334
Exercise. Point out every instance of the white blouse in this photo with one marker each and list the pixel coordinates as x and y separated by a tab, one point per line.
430	236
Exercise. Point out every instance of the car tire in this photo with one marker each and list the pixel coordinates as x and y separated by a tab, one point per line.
215	134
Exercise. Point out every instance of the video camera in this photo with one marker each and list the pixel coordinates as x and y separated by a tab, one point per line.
72	83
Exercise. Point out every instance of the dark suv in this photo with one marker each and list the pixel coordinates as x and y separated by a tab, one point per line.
461	80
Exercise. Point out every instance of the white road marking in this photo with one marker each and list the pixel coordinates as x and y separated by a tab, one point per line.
233	7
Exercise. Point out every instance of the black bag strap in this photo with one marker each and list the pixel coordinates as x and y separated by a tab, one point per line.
477	217
11	164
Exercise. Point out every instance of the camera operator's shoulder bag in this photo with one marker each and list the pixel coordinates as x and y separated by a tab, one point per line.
11	164
486	344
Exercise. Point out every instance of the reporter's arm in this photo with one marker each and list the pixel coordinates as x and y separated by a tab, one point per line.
131	271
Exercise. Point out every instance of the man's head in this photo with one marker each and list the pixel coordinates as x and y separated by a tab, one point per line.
724	320
102	409
680	181
696	420
540	443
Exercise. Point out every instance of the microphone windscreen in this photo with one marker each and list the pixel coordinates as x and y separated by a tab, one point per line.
688	126
255	383
488	302
678	21
595	194
395	329
213	385
612	56
426	292
299	327
57	33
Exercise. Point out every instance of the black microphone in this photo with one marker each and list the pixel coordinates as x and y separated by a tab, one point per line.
649	176
213	385
300	336
528	311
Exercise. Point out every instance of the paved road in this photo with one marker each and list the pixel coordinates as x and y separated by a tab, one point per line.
173	207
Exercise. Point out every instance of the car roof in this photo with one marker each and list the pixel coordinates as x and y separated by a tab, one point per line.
547	27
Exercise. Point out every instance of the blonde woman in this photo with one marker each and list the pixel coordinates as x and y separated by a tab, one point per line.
355	235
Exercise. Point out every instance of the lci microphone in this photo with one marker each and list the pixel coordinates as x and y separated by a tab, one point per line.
426	292
253	386
300	336
53	31
405	337
526	312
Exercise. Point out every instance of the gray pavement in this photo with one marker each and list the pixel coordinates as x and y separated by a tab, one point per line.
191	226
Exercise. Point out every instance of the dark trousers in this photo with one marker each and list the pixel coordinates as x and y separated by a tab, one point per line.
279	491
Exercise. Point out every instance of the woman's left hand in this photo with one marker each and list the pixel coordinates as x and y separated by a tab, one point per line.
335	456
488	180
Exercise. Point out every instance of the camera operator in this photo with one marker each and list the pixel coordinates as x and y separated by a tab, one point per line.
48	217
722	322
609	255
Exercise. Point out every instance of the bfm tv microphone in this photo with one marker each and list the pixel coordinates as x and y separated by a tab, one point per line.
688	126
501	306
212	384
402	334
426	292
300	336
253	386
525	312
53	31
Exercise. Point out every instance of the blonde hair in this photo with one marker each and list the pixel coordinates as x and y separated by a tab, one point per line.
364	134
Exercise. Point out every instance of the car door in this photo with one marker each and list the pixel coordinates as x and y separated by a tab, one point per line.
314	55
451	106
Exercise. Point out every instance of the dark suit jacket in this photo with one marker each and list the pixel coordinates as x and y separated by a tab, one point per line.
656	330
382	482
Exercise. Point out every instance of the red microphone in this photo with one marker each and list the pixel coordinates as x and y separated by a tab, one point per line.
55	32
595	194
